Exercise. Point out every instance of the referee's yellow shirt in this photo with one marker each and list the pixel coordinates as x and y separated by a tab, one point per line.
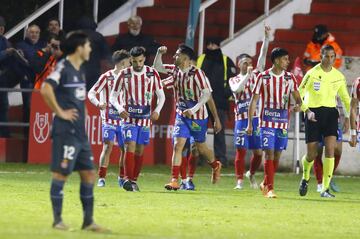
319	88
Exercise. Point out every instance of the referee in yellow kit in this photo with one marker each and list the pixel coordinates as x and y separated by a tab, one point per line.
319	90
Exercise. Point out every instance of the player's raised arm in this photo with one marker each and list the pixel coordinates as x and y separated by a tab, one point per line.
264	48
158	64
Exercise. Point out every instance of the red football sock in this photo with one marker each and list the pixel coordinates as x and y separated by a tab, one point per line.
129	165
276	165
269	174
175	172
192	165
240	163
183	167
102	172
255	162
337	161
139	159
318	169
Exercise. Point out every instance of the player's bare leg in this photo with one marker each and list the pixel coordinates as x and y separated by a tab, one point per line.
209	156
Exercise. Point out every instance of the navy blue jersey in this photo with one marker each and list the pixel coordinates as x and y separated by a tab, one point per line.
70	91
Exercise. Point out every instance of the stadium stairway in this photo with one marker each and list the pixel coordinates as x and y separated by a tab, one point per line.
342	18
167	20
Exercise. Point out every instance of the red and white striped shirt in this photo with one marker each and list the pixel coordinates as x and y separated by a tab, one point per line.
274	91
243	98
103	87
355	93
137	93
187	87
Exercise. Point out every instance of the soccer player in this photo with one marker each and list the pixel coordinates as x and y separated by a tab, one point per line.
190	154
136	86
111	121
319	89
355	97
192	91
274	86
242	86
64	91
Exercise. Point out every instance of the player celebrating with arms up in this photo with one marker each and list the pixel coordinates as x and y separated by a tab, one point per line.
136	85
274	86
192	91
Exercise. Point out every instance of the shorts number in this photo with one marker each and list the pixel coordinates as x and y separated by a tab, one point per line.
238	139
176	130
69	152
106	134
128	134
266	142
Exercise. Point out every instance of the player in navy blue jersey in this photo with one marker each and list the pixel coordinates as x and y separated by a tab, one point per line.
64	91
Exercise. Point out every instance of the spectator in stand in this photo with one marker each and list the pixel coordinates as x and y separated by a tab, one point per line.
45	59
29	46
134	37
12	64
100	51
219	69
53	27
320	38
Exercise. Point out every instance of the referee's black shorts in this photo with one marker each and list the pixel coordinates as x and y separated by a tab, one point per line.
326	124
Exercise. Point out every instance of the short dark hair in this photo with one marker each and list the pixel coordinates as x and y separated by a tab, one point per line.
278	52
73	40
119	55
242	56
325	48
137	51
184	49
53	19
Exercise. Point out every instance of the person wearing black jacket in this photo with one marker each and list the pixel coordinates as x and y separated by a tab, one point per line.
218	68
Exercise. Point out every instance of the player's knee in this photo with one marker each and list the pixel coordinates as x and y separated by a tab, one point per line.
107	147
59	176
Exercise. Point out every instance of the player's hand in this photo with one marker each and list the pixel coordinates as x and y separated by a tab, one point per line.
188	113
297	108
250	69
162	50
154	116
124	114
249	129
353	141
69	114
346	125
217	125
102	106
310	116
267	31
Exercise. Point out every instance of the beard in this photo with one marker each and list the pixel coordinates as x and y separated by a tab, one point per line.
134	32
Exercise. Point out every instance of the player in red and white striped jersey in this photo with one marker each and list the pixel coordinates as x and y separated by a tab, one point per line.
111	123
136	85
242	86
192	91
354	114
274	86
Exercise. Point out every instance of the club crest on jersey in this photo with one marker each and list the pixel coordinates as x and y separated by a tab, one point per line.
317	86
189	93
75	79
80	93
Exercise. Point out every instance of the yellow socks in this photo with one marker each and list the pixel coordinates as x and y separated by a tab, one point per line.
306	167
328	169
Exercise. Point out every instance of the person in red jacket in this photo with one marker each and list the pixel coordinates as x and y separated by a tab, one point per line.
320	38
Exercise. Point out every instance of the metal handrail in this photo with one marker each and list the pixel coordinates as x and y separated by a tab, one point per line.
24	23
207	4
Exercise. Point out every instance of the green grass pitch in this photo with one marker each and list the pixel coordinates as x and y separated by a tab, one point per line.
212	211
